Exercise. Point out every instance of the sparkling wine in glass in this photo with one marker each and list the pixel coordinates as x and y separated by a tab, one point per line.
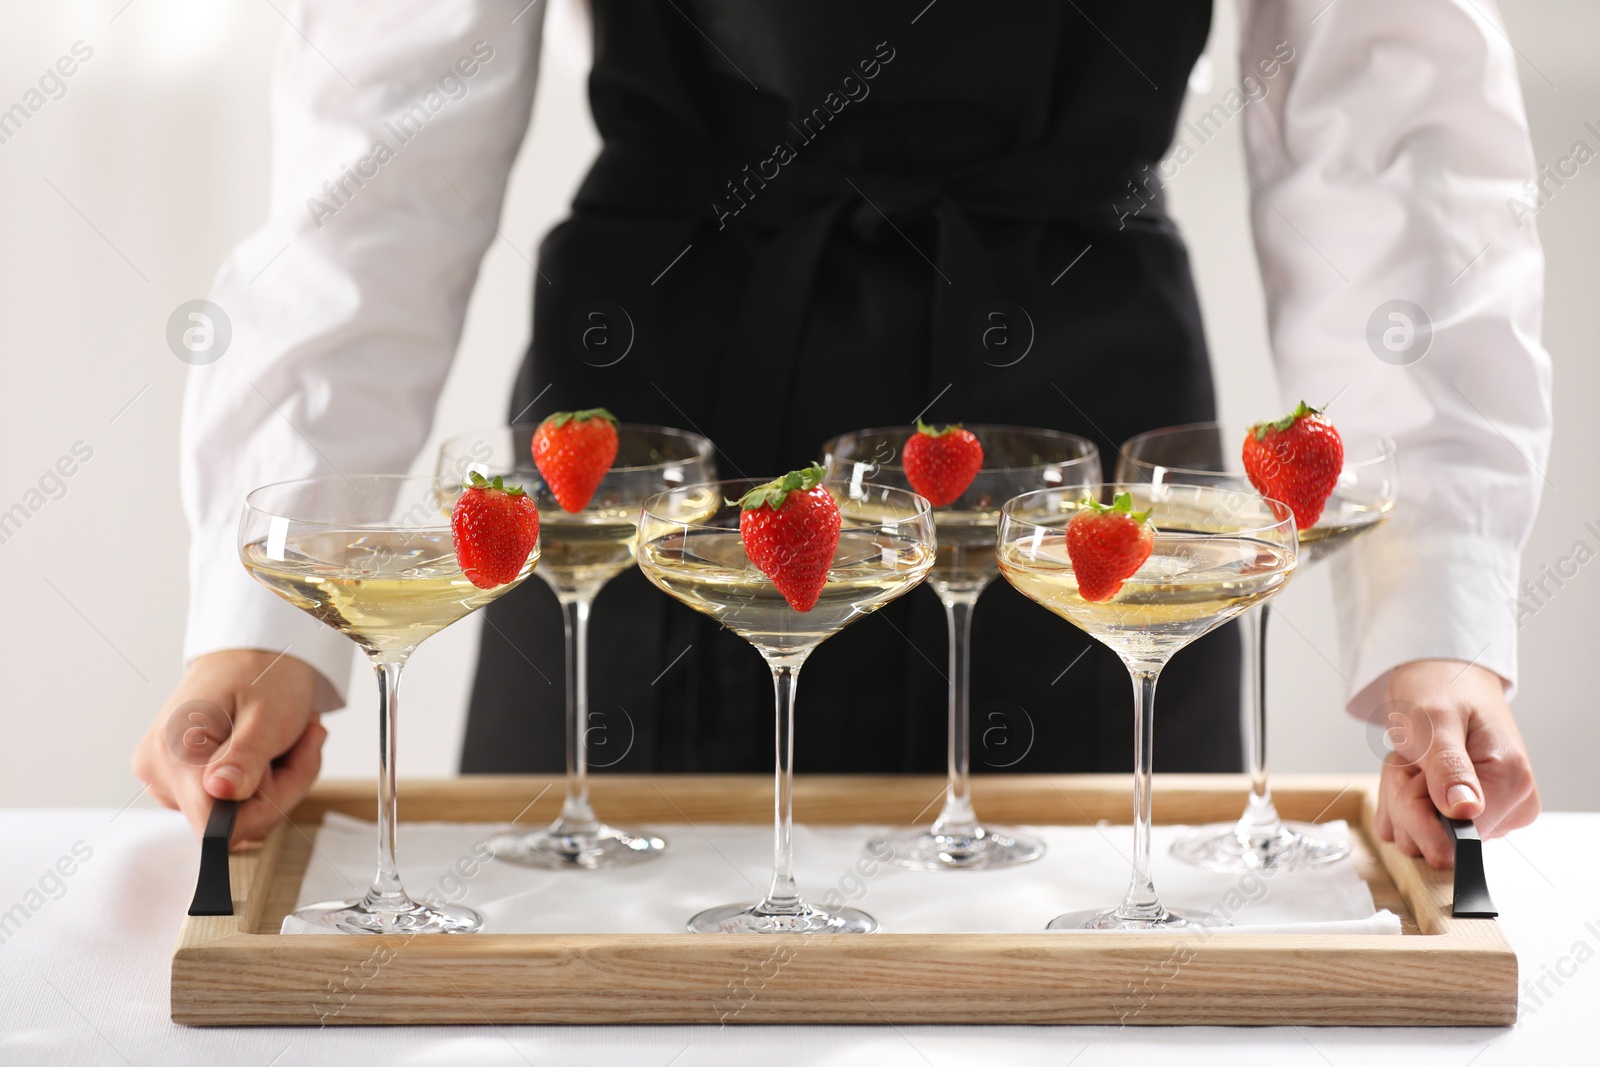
1216	553
1016	460
582	551
1209	453
690	546
373	557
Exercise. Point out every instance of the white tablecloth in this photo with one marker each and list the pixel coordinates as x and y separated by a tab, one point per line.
85	956
1083	868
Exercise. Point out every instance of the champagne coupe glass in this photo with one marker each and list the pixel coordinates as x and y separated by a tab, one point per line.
1016	459
1209	453
582	552
1217	553
373	557
689	546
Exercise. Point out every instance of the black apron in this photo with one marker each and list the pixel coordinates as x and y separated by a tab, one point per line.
807	219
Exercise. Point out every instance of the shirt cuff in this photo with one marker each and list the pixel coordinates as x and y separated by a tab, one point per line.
228	609
1404	596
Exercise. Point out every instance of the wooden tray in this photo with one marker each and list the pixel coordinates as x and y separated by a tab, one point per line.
237	970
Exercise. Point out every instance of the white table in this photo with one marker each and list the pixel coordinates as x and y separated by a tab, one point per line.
84	974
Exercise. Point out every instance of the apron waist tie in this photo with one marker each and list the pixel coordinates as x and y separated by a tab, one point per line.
796	210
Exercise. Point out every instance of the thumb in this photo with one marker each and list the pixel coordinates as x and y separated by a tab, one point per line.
1452	781
259	737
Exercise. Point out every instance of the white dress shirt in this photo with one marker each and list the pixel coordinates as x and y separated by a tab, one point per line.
1381	156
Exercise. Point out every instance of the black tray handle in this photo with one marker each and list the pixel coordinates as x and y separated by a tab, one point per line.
213	894
1472	900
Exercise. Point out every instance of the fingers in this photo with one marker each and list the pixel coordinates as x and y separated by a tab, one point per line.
146	770
190	797
170	787
300	767
1511	797
1417	818
161	796
285	784
261	733
1447	769
256	707
1518	817
1389	783
1463	756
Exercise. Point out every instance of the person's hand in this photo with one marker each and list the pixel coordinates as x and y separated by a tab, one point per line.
1456	750
240	725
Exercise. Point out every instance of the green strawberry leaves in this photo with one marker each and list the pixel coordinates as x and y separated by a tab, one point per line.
774	493
1301	410
1121	504
561	418
498	485
937	431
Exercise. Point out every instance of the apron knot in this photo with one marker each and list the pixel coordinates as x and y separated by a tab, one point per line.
888	202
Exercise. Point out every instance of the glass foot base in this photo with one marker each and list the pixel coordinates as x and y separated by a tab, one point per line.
981	848
354	917
745	919
1173	919
553	849
1221	847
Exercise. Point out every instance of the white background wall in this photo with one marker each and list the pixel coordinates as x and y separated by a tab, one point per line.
120	199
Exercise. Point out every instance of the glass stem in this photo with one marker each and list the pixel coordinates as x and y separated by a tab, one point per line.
1141	901
783	897
577	817
387	894
1260	820
957	819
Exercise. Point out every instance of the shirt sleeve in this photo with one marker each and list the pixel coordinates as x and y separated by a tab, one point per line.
1390	161
394	125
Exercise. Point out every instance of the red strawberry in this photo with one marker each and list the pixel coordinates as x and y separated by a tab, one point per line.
1296	460
790	529
940	464
573	450
1107	545
494	527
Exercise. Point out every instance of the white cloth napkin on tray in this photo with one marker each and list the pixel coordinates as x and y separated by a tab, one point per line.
706	865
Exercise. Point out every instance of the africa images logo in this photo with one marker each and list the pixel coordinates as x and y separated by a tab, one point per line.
852	89
403	128
52	85
199	332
